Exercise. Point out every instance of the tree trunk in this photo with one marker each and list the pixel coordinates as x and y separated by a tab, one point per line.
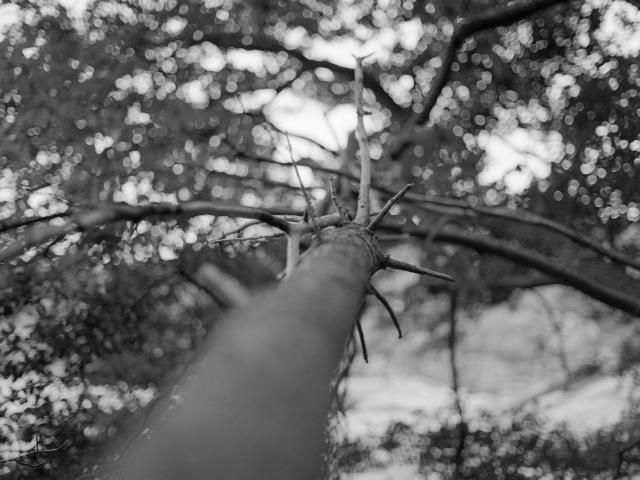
257	407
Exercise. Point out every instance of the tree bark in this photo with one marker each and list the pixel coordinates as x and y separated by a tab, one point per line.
258	405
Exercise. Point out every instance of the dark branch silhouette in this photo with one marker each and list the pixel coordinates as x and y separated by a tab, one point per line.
464	28
571	276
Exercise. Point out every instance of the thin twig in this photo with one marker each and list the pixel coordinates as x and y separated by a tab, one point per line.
338	394
455	385
363	211
455	378
363	344
307	198
13	223
387	307
344	213
387	206
407	267
19	459
451	343
300	136
556	325
246	239
47	248
241	228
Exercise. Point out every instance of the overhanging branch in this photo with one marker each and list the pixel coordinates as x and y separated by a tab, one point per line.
86	219
563	274
13	223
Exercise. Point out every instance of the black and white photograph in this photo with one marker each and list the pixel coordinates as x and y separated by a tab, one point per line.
320	240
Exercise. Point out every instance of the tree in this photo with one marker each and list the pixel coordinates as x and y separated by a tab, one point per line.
132	133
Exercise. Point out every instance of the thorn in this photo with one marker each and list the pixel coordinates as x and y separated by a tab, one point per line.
362	342
387	206
386	305
407	267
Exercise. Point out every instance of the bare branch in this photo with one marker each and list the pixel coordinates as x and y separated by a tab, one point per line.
462	208
528	218
390	203
526	257
246	239
407	267
263	181
86	219
301	137
307	198
304	162
13	223
363	211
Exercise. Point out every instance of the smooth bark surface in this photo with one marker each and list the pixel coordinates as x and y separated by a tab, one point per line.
257	407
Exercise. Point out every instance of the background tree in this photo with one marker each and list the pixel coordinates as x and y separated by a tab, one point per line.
134	133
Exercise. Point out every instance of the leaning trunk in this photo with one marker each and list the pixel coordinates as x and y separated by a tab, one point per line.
257	407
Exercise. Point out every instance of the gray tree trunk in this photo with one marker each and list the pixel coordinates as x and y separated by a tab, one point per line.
257	407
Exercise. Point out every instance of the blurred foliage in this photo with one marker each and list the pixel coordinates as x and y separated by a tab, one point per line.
86	346
524	447
150	100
